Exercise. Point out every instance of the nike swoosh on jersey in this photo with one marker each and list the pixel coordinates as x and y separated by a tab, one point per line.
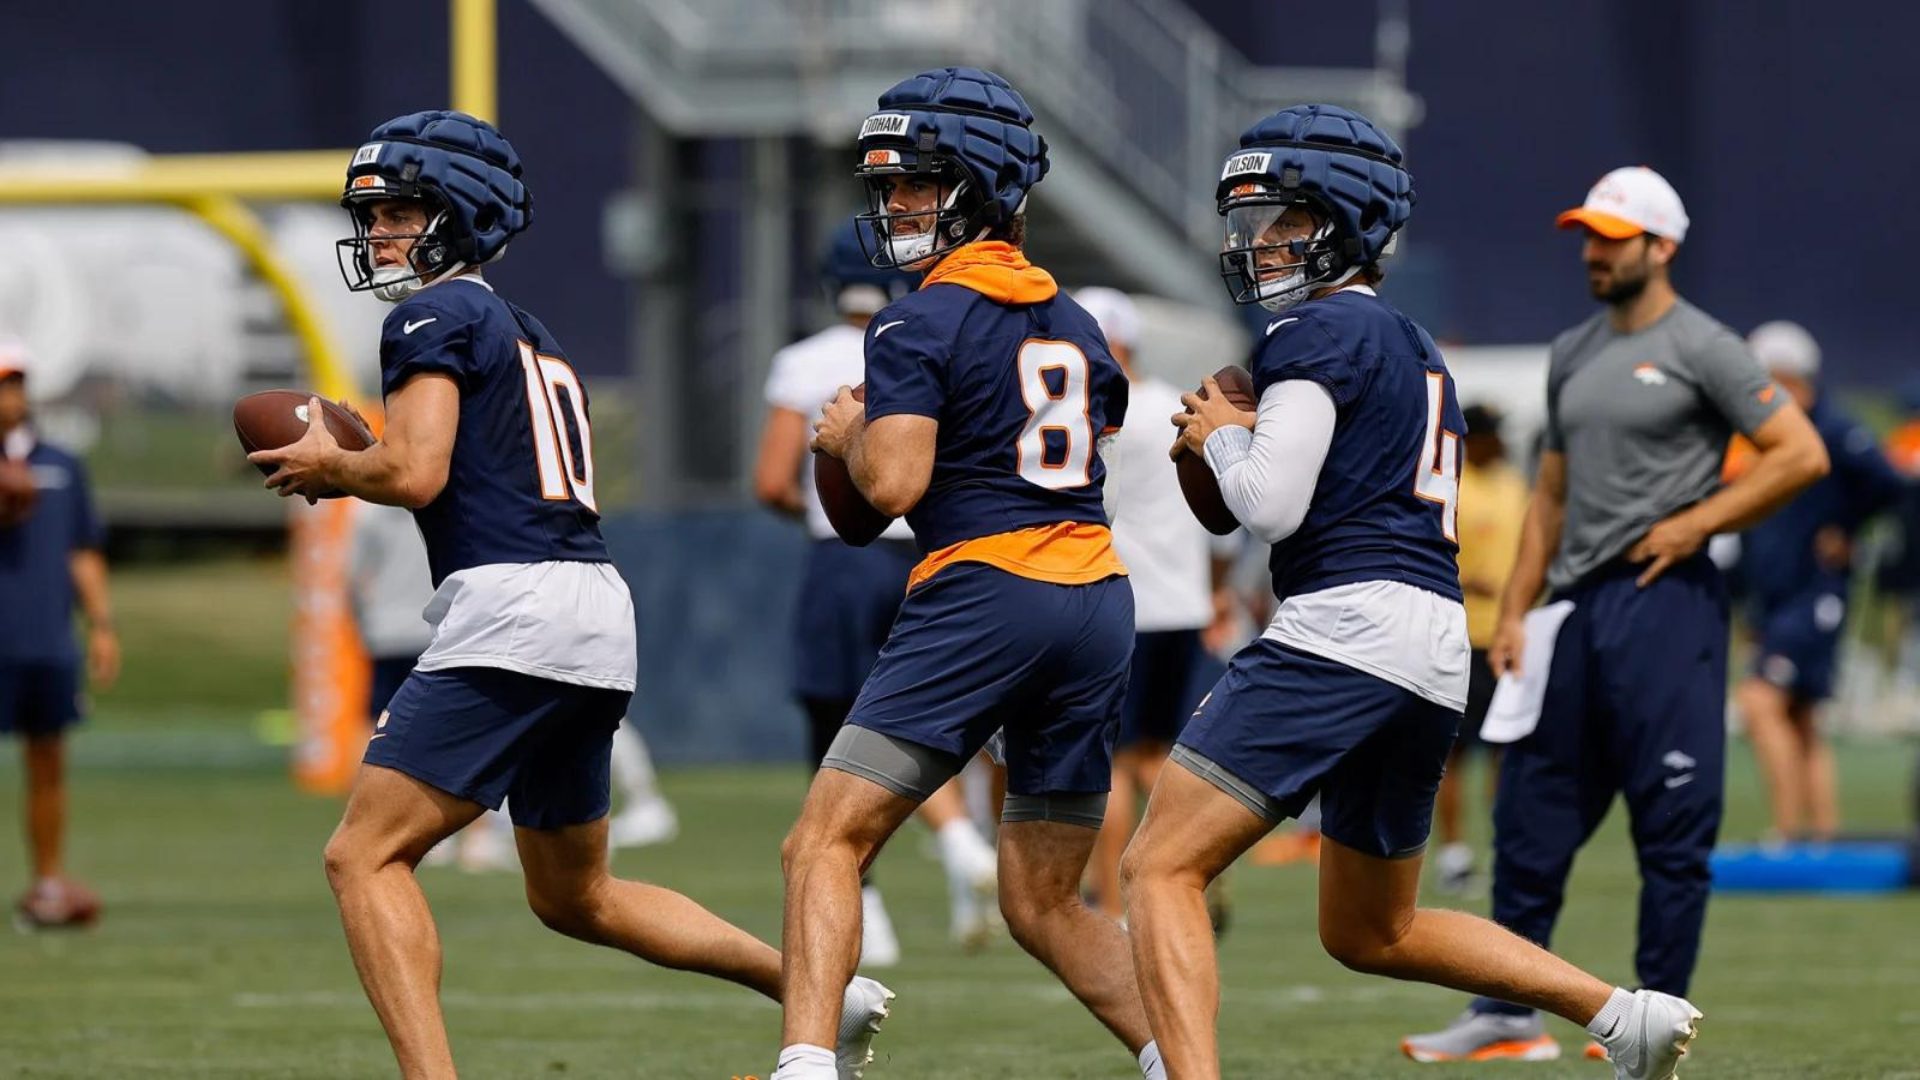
412	326
1278	323
883	329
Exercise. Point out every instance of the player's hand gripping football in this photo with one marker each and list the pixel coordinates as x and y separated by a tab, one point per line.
1205	415
839	423
305	466
1668	542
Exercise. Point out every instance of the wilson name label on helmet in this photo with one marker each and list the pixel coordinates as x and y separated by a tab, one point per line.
885	124
1255	162
367	154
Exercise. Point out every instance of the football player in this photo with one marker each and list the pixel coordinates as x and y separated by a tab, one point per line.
986	390
531	667
850	595
1350	469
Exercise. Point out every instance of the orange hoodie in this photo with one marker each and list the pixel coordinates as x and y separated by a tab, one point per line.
1071	552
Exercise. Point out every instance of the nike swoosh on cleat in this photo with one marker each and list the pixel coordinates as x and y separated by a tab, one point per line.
1278	323
412	326
883	329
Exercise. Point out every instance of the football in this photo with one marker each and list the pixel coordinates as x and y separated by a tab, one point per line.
855	519
1196	477
17	492
272	419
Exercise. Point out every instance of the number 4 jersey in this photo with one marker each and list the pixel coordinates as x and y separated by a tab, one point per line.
522	576
1371	578
1021	382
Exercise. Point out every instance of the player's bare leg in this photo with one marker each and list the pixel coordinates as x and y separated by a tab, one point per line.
1779	750
1040	867
1104	874
391	821
45	757
570	889
1821	775
1191	834
1369	922
842	826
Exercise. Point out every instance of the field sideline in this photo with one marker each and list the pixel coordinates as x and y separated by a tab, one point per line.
220	955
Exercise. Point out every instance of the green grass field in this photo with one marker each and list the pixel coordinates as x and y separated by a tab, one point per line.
220	955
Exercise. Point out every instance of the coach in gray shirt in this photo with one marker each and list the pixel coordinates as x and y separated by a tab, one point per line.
1642	400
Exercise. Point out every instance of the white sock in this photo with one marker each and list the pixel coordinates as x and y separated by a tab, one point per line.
1611	1015
633	766
963	851
1151	1066
803	1062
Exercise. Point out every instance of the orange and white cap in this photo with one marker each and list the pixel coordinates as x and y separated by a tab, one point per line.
1627	202
13	356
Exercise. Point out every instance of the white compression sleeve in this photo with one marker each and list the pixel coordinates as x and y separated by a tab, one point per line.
1267	475
1108	447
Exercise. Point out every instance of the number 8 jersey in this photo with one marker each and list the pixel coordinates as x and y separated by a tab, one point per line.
520	485
522	578
1021	382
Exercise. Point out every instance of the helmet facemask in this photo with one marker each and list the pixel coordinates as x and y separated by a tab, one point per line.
911	240
1278	274
430	257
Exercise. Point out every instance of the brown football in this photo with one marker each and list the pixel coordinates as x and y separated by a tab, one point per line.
1196	477
272	419
853	517
17	492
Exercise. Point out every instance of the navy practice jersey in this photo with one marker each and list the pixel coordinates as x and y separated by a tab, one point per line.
1777	556
1384	507
36	581
1021	390
520	487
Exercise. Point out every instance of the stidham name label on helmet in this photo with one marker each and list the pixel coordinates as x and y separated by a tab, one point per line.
1256	162
885	124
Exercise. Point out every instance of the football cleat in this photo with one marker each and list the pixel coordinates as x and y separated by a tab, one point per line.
1650	1042
864	1008
56	904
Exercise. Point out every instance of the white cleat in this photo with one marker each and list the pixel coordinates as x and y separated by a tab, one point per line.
863	1009
1653	1038
486	845
643	823
879	945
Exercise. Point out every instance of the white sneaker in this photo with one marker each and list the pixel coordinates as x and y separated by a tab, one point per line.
861	1013
879	945
643	823
1650	1042
973	883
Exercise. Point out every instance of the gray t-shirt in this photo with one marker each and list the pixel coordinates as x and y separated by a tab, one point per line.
1644	420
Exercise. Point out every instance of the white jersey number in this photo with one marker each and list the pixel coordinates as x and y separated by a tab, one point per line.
558	405
1436	476
1061	405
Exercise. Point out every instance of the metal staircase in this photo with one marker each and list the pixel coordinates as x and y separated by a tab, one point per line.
1139	99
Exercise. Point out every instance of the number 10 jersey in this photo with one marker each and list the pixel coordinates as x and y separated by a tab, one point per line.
520	484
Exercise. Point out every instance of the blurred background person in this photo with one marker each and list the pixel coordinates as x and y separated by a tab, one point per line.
50	557
1180	597
850	595
1493	505
1798	570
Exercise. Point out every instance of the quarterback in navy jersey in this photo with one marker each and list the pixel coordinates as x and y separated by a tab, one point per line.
1350	470
988	391
531	667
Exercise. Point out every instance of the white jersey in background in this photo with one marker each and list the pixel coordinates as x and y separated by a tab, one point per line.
803	378
1167	551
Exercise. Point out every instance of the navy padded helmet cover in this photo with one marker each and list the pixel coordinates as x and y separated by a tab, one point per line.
1352	168
976	118
462	159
